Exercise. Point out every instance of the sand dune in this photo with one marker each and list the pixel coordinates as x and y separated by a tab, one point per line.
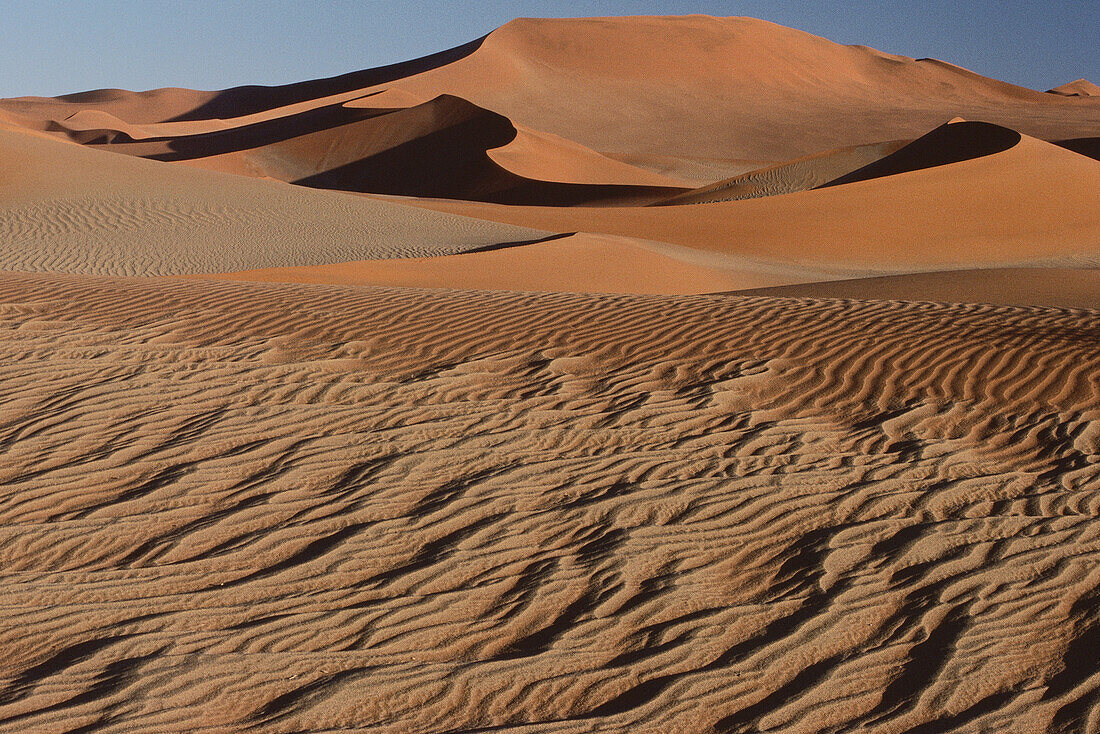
802	174
309	508
188	105
956	141
785	94
812	447
437	149
446	147
1078	88
66	208
1034	201
578	263
220	143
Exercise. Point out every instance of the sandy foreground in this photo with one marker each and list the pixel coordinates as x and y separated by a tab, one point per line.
547	385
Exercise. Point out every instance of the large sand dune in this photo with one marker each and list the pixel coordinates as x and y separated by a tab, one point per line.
642	375
444	148
783	93
733	91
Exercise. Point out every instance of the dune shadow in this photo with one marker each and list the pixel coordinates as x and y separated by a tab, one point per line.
259	134
429	167
1085	146
445	156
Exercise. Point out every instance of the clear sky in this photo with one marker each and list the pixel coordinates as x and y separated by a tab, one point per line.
50	47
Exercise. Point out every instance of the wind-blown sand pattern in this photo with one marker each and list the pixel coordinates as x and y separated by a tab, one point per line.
307	508
82	211
546	384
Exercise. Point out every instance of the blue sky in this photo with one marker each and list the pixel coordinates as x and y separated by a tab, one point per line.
50	47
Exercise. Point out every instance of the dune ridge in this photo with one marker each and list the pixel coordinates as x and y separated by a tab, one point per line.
1045	286
580	262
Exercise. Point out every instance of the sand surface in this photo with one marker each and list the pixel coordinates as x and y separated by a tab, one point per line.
643	375
591	263
308	507
1060	287
66	208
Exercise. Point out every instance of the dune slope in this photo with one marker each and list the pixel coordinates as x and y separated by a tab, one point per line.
310	508
801	174
67	208
442	148
1033	201
578	263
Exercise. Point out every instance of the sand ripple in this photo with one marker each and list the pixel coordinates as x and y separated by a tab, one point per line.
309	508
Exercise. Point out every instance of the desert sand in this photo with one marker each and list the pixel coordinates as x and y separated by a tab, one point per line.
650	374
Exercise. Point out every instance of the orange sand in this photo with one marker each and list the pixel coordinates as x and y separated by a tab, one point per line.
636	375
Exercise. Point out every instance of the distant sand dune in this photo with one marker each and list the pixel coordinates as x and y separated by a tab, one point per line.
1034	201
954	142
188	105
784	94
64	208
1078	88
442	148
308	508
802	174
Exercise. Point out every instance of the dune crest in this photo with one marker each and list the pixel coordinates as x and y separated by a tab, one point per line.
956	141
1078	88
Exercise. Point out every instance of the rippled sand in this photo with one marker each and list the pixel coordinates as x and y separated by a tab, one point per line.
546	385
304	508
